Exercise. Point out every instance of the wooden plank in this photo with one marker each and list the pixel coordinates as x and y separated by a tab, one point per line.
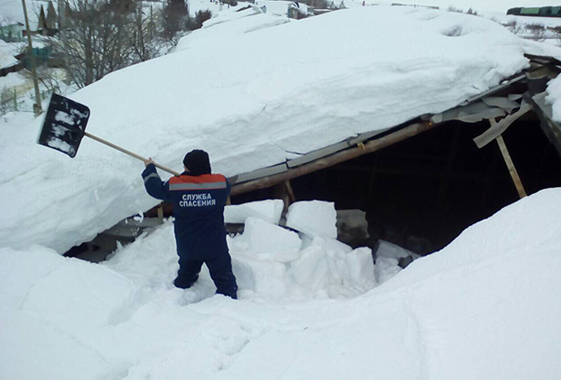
371	146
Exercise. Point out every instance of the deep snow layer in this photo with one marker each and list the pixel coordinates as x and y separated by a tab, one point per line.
485	307
250	101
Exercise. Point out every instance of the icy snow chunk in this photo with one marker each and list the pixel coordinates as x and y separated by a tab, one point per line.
267	240
269	210
313	218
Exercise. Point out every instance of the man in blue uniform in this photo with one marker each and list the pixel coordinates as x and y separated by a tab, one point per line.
198	199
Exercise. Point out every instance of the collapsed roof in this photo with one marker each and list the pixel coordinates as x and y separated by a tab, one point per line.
262	101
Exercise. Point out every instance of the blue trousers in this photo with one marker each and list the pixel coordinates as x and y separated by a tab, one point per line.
220	269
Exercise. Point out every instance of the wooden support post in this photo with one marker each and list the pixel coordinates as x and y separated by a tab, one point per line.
290	191
37	106
510	164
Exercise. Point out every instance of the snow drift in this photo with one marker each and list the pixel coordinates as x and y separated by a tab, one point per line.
252	101
462	313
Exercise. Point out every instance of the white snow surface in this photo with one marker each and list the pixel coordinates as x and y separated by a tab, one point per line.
251	102
269	210
463	313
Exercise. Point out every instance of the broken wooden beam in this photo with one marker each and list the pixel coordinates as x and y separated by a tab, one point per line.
334	159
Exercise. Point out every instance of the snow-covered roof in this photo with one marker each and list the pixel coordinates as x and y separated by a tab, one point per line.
252	98
11	12
7	58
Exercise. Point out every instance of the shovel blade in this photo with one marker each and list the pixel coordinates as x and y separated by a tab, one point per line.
64	125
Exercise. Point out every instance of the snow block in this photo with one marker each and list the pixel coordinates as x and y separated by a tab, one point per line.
313	218
269	210
267	240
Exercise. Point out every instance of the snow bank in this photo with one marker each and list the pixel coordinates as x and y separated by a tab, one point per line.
462	313
269	210
239	112
313	218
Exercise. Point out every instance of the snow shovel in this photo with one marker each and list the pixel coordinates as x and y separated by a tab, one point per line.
64	126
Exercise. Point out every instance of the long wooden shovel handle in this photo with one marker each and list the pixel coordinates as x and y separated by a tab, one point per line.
127	152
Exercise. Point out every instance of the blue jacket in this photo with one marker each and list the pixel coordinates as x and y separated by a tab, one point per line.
198	207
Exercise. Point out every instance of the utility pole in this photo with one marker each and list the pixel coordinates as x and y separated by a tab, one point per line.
37	106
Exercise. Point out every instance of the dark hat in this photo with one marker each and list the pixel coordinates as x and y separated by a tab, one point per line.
197	162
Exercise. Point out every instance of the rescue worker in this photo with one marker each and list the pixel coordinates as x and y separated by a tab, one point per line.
198	199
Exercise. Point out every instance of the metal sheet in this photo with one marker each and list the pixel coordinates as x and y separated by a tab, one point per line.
493	90
260	173
471	113
317	154
501	102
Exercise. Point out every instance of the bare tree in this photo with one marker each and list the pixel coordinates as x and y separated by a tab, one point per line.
537	32
101	36
175	17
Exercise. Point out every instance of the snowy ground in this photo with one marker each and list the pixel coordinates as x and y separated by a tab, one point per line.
485	307
478	5
255	94
493	10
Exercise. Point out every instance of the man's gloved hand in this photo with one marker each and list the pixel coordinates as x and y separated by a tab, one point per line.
148	161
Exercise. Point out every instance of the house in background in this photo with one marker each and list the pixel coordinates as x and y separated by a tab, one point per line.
11	31
42	19
9	62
